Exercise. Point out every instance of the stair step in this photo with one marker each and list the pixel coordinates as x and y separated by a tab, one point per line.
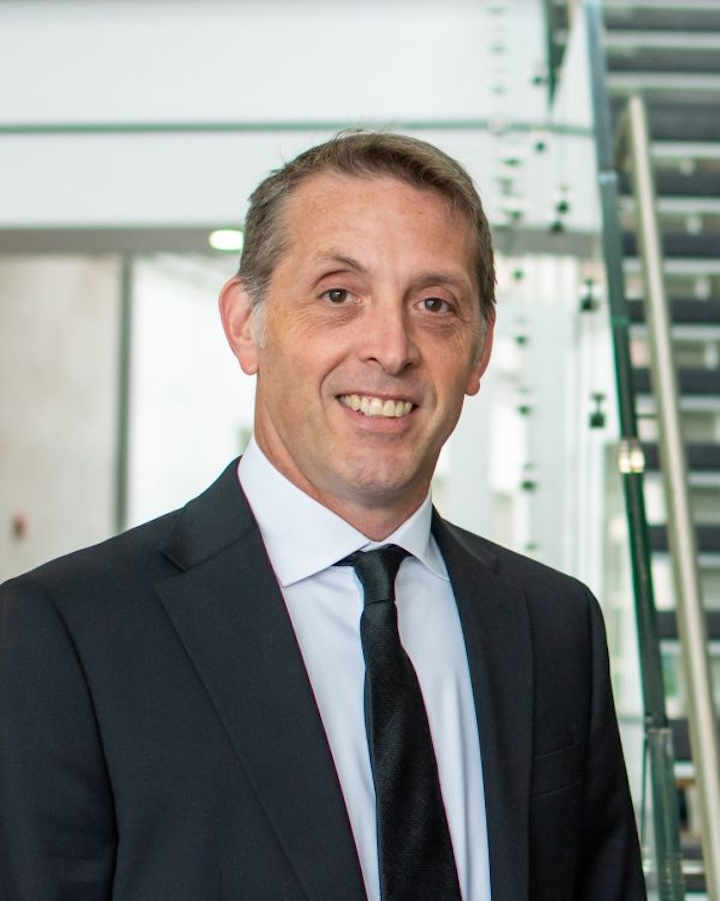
692	865
683	311
687	115
680	268
671	59
684	43
700	456
672	183
681	738
678	150
631	81
704	245
667	625
692	17
691	380
706	536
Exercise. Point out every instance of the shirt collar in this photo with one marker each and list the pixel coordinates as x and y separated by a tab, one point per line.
302	537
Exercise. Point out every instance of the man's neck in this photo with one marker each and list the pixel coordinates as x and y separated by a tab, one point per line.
375	517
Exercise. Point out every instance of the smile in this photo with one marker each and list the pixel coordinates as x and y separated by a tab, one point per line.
376	406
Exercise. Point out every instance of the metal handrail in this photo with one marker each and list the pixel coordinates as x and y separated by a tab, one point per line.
634	140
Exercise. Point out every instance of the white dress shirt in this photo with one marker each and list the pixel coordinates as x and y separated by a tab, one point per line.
303	540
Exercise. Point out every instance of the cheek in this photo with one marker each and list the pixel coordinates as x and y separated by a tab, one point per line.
289	384
451	394
451	378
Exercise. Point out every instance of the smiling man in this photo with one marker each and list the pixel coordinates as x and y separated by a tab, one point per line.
373	332
306	684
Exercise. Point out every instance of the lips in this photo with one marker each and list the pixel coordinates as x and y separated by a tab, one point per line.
370	405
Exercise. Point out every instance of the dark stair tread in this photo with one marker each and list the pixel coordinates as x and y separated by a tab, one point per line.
700	456
707	537
671	183
681	738
695	885
694	381
638	18
691	847
680	245
665	60
683	311
692	854
667	625
685	116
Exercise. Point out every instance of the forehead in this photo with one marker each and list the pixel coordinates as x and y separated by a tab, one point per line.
332	201
347	188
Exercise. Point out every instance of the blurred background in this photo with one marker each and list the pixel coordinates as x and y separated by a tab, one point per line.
133	131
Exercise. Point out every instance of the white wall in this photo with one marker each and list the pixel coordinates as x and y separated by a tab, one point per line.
253	65
250	64
192	407
58	372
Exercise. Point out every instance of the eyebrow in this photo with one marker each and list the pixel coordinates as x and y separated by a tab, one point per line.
425	279
332	256
441	278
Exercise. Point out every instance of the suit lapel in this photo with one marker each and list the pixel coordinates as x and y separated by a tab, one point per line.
495	624
227	609
230	615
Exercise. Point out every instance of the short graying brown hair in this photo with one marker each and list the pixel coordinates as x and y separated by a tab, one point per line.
363	154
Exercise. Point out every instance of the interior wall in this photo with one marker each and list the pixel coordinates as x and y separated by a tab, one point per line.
58	390
191	406
116	112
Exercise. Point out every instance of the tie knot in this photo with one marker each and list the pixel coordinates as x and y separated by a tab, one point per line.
377	571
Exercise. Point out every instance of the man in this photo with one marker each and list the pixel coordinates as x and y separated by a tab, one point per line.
182	707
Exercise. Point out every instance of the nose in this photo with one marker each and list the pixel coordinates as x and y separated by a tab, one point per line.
387	338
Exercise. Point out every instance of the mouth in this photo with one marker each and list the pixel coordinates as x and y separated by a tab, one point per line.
369	405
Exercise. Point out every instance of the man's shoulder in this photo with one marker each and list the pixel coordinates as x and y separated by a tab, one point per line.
556	604
109	560
531	575
148	551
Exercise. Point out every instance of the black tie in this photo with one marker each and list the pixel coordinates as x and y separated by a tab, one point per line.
414	848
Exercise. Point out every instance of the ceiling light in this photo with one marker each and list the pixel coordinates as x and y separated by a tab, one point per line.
227	239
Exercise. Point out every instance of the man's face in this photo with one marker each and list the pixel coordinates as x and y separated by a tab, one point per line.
372	336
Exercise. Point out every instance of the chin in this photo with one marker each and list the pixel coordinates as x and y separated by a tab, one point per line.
385	484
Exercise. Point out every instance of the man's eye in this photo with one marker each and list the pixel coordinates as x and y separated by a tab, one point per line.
337	295
435	305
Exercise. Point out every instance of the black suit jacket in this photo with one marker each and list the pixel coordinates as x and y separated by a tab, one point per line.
159	738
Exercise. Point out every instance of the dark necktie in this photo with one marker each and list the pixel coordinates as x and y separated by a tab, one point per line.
414	849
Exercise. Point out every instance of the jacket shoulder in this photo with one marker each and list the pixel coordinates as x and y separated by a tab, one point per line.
153	549
532	576
106	561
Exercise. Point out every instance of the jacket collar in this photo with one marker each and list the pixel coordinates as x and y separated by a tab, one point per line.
228	611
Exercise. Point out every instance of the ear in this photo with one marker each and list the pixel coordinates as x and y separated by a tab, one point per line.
481	364
236	315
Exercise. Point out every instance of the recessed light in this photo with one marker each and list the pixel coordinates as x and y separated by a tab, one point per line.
227	239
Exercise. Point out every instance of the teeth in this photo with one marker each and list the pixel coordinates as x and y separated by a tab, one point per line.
375	406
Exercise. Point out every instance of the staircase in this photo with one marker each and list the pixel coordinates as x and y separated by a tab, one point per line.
669	54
